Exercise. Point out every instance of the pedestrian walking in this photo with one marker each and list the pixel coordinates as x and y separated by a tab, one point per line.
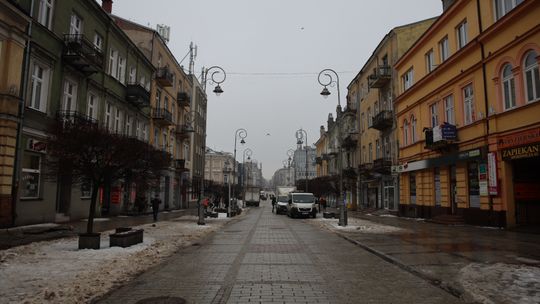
205	203
322	203
156	201
273	203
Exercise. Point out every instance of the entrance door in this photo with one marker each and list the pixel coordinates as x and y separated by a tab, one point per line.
527	190
64	194
389	197
453	189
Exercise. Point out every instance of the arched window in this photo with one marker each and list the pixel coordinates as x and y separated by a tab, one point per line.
413	130
509	87
532	79
405	133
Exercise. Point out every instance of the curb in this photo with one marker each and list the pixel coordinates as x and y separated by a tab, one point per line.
446	286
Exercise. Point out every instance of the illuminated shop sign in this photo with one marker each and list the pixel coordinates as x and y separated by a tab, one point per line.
532	150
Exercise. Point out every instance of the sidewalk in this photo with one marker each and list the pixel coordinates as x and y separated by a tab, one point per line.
23	235
478	264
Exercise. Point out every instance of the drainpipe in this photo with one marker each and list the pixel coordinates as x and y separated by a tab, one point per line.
24	96
486	105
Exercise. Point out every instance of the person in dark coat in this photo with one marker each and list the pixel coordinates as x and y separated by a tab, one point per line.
156	201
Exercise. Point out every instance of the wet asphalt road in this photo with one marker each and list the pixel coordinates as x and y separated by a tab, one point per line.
268	258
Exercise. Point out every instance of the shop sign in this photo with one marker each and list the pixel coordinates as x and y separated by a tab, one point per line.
469	154
519	139
483	179
532	150
493	186
36	145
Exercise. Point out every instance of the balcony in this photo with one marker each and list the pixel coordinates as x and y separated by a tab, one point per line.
162	117
383	120
180	165
349	143
183	131
326	157
382	165
443	137
380	77
318	160
75	118
80	53
183	99
164	77
365	169
349	173
137	95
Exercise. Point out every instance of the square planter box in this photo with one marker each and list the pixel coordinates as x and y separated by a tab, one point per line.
329	215
126	238
222	214
89	240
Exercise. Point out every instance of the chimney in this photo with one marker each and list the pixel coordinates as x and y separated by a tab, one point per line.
107	5
446	4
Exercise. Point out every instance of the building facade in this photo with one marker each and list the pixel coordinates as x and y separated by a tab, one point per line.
373	90
467	115
13	41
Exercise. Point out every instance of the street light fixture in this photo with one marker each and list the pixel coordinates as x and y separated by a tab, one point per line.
239	133
218	90
226	173
290	153
300	137
247	152
325	93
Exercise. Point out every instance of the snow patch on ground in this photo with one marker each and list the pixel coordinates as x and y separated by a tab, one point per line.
45	225
501	283
358	225
57	272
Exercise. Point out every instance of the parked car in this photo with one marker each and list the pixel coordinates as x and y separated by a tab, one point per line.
301	204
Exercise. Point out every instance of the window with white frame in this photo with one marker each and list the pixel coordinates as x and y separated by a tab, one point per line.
508	87
408	79
45	12
413	130
377	149
98	41
405	133
449	115
158	99
145	132
430	61
369	117
75	26
434	111
164	141
444	51
69	98
121	73
461	32
468	104
108	116
370	153
92	106
532	79
31	176
137	129
502	7
118	121
171	146
113	62
128	125
39	87
156	138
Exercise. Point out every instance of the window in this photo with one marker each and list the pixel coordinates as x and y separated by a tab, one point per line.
156	138
137	129
369	117
474	185
362	122
31	175
377	149
92	108
108	116
164	142
444	53
121	73
433	110
145	132
98	41
437	184
413	130
113	62
430	61
370	153
468	99
461	32
166	102
532	79
405	133
158	99
407	79
118	121
502	7
39	87
75	26
449	109
132	75
412	187
128	125
69	100
509	87
375	108
45	12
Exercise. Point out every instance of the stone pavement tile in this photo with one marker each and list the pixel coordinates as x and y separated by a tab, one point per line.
272	273
277	258
220	248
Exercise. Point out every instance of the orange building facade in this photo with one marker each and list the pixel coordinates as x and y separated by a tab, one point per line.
468	116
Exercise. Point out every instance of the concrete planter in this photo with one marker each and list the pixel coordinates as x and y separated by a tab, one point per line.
126	238
89	240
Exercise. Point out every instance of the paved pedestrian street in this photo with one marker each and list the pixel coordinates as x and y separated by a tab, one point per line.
268	258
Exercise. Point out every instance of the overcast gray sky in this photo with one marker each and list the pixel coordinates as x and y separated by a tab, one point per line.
272	52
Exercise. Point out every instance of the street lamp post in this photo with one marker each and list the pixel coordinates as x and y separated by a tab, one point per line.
325	93
242	134
300	136
226	173
247	152
216	70
290	154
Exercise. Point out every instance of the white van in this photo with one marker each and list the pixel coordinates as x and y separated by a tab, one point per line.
301	204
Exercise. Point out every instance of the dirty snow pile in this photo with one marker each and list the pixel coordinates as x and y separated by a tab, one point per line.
358	225
501	283
57	272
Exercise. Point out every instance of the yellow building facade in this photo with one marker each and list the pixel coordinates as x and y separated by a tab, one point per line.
468	117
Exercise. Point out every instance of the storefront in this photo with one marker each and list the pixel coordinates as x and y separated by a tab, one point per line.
521	151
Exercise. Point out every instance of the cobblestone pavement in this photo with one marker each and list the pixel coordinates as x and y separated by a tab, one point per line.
267	258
